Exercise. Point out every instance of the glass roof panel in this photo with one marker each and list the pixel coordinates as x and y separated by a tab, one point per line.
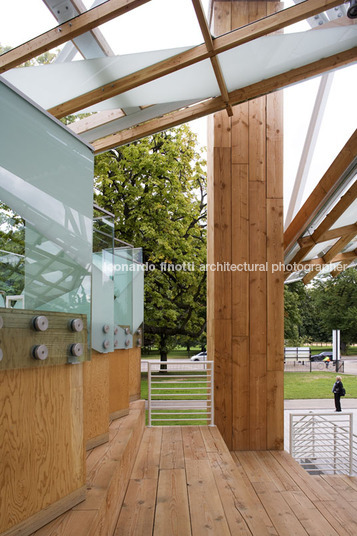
155	25
22	20
348	217
338	124
319	250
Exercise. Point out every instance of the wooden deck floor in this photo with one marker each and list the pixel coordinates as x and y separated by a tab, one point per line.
186	482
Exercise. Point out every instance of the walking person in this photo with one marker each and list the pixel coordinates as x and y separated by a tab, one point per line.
338	391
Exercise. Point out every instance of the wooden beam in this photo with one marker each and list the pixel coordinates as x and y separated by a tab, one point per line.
225	42
337	211
351	255
67	31
95	120
210	47
338	247
329	235
324	189
236	97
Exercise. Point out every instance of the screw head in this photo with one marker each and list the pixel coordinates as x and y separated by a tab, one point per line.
106	344
40	352
76	349
40	323
76	325
106	328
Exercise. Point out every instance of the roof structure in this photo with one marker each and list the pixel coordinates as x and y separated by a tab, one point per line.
133	95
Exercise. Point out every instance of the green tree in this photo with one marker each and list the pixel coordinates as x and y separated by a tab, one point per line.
156	187
335	303
292	316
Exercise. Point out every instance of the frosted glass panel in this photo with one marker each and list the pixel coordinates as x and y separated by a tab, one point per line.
103	296
46	177
138	290
129	294
249	63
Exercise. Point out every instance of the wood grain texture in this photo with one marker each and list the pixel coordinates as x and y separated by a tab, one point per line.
119	382
96	397
245	303
172	514
134	373
137	513
41	449
275	285
206	509
240	250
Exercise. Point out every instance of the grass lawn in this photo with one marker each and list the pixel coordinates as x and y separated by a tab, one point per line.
298	385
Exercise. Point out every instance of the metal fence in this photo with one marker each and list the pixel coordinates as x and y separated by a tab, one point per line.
324	443
180	393
305	365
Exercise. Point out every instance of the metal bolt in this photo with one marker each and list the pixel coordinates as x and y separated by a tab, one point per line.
138	331
116	342
40	323
116	329
106	328
126	331
76	324
76	349
40	352
127	342
138	342
106	344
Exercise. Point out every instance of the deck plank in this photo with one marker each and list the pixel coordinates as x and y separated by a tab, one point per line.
193	443
310	517
148	458
239	500
172	449
172	511
138	509
207	513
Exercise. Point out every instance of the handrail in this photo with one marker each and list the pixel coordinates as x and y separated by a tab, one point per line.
324	443
175	397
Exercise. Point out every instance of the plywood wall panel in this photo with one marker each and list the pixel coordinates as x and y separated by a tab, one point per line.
258	402
247	303
118	383
275	145
240	250
240	134
134	373
275	410
257	140
41	439
240	407
96	399
222	231
275	286
223	378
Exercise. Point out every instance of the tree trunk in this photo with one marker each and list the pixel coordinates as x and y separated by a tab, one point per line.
163	354
343	347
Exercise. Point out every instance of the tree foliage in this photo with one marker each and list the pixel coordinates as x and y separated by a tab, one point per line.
335	304
156	187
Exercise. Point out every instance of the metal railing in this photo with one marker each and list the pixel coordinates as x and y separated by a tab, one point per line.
324	443
180	393
305	365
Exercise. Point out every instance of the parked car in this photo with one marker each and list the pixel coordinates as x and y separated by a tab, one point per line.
321	356
202	356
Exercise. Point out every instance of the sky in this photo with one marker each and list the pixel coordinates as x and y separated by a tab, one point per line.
171	23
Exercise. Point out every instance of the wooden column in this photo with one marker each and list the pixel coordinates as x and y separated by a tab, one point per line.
245	228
